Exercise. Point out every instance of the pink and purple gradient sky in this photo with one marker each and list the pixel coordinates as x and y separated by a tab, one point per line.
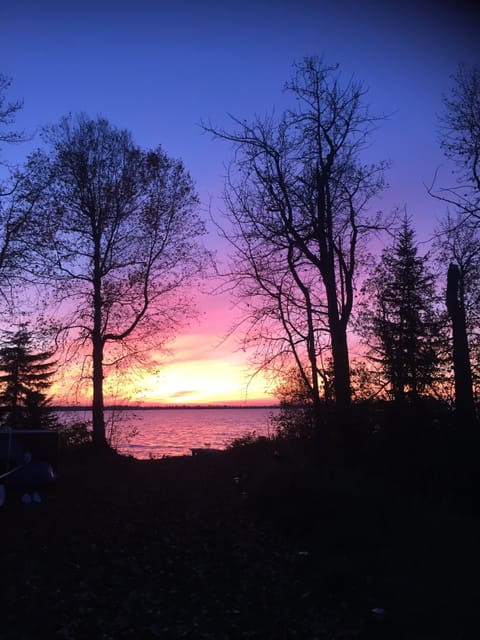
159	68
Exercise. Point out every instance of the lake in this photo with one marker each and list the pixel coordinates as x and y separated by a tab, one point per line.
175	431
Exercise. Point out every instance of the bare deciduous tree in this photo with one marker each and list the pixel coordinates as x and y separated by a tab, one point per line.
458	244
460	141
13	206
297	199
123	241
464	402
8	111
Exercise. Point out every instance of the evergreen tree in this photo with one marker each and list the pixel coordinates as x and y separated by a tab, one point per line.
401	325
25	377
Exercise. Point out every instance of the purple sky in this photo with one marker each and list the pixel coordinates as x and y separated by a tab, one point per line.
159	68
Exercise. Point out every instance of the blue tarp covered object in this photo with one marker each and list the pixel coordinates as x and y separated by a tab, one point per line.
28	457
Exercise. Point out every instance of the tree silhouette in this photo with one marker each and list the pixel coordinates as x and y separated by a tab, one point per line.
8	111
400	323
25	377
14	206
297	197
120	239
460	141
458	243
455	299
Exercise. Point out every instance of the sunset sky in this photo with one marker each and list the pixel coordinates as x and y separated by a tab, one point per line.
159	68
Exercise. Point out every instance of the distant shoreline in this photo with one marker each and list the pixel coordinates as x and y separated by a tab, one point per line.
166	407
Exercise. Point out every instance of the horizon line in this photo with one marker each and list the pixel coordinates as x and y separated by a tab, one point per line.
148	407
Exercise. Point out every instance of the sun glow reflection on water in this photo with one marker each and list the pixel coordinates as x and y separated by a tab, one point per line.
175	431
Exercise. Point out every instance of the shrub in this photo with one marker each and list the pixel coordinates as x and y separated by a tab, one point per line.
294	422
247	439
74	435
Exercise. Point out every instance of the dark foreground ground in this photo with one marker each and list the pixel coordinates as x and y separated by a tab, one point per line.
244	544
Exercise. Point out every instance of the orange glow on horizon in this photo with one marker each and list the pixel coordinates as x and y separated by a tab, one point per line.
198	372
203	382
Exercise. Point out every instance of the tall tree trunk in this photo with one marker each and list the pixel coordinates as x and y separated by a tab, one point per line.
340	356
464	401
336	322
98	417
341	371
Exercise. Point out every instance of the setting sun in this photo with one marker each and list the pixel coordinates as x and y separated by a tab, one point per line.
203	382
198	371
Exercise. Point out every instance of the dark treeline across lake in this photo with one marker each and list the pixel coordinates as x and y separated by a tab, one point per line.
172	431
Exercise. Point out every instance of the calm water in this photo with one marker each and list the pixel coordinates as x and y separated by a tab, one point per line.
174	432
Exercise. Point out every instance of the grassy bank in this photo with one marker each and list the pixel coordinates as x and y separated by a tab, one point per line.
249	543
